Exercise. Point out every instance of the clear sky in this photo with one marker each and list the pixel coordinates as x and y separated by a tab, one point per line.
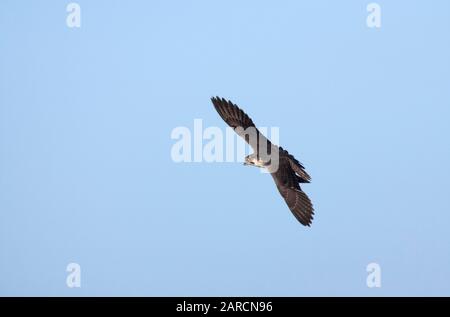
86	174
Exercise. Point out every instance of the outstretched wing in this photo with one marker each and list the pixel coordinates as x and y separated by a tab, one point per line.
287	180
239	121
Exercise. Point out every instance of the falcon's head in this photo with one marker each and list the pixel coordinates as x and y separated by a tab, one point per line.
253	160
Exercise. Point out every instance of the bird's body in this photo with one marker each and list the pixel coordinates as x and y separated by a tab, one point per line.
286	171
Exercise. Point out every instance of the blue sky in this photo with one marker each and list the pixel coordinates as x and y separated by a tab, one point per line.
86	174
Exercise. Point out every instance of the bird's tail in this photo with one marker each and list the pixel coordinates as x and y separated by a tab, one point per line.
299	169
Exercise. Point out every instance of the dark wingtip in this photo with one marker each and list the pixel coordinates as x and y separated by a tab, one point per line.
217	99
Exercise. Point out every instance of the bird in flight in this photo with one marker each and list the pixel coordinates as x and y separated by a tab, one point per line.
286	171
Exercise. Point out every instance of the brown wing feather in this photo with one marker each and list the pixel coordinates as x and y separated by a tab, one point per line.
299	204
232	114
287	182
236	118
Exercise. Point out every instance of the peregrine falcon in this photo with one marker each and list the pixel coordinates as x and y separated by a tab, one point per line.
288	173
